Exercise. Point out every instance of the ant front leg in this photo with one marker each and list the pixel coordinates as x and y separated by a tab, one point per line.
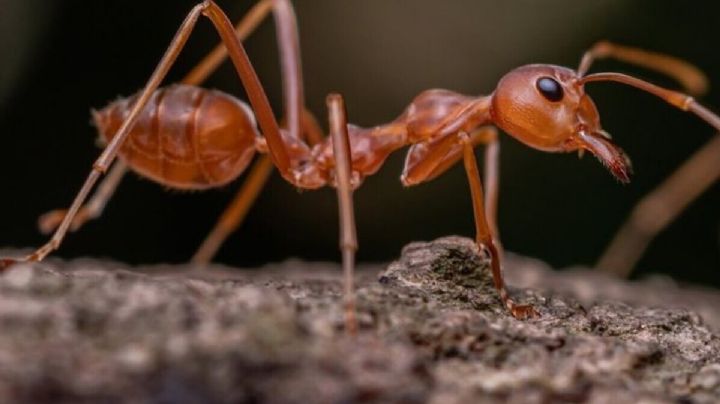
428	160
484	234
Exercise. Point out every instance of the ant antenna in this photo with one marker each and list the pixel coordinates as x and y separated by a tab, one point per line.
674	98
690	77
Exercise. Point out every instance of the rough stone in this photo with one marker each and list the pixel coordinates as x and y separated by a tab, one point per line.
431	330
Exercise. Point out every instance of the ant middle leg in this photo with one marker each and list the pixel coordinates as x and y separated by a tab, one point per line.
337	117
235	213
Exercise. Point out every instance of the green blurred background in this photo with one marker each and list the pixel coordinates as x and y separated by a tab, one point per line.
60	58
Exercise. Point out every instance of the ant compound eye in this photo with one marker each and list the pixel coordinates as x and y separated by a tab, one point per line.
550	89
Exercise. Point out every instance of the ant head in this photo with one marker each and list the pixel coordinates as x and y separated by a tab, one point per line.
546	107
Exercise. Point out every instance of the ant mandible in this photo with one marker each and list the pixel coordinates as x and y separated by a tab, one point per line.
188	137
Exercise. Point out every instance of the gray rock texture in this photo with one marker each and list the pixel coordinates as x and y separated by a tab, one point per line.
431	330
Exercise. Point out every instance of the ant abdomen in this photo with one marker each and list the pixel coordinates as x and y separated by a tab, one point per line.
186	137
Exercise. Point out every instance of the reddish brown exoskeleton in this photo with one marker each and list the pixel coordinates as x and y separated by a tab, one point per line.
191	138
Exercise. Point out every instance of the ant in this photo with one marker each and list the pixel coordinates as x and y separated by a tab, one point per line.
187	137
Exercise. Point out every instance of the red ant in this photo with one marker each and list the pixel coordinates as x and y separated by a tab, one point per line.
192	138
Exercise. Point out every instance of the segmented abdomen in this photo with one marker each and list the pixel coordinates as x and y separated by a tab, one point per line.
186	137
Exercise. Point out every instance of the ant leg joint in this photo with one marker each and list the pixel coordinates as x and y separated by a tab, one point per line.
349	245
687	102
464	138
43	251
101	167
602	48
333	97
504	295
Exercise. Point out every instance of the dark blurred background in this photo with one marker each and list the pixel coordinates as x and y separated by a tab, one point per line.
58	59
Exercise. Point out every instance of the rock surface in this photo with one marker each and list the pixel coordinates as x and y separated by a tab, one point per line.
432	330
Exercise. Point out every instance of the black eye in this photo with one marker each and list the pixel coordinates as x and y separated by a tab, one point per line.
550	88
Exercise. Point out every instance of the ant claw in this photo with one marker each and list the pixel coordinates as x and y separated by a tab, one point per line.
5	263
523	311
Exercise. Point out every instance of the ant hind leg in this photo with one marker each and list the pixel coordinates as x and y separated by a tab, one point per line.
91	210
50	221
235	213
108	155
299	122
